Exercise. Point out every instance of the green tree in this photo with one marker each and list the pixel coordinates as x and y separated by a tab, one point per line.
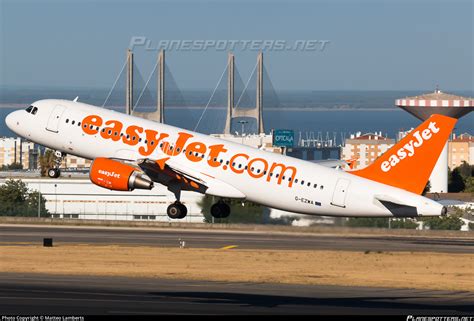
455	181
427	188
381	222
368	222
12	166
17	200
46	161
444	223
465	170
469	185
405	223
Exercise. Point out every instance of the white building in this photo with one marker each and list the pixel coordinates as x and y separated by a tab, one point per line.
17	150
79	198
366	148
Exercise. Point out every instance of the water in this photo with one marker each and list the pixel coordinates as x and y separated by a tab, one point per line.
364	111
389	121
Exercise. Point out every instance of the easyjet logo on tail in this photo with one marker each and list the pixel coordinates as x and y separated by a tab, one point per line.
410	148
408	164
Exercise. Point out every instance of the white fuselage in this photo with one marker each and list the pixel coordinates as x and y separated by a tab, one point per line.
269	179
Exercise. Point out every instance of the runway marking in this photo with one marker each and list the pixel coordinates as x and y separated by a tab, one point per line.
229	247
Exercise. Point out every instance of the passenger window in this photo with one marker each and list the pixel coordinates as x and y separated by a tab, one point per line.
315	185
67	120
73	122
79	124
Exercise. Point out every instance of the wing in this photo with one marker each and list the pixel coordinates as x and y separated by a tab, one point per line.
176	177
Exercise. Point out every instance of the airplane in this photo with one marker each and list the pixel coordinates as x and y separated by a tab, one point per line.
133	153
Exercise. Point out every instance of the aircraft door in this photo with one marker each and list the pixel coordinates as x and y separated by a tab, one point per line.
54	118
340	192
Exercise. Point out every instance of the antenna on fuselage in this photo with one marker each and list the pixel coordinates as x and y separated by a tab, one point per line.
75	99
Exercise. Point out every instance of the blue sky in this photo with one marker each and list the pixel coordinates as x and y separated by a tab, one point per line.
373	45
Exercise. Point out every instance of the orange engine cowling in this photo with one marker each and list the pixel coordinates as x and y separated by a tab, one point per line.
117	176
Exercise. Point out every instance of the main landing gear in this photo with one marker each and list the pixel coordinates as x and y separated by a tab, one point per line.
177	210
55	172
220	210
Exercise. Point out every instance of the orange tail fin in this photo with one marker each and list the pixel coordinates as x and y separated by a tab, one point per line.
408	164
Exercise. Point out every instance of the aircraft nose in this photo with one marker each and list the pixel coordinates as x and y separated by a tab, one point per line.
9	120
12	121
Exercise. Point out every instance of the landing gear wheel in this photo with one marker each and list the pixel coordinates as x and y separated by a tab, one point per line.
54	172
177	210
220	210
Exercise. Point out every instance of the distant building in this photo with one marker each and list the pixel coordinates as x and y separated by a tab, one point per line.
460	148
262	141
17	150
366	148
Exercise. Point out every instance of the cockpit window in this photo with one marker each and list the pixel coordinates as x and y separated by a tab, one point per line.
32	110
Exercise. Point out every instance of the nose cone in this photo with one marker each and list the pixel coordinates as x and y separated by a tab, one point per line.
13	121
9	120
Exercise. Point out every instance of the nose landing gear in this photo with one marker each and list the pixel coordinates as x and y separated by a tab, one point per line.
55	172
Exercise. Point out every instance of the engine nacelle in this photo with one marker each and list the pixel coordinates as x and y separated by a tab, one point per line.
117	176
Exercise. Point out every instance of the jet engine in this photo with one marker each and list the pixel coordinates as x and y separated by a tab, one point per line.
118	176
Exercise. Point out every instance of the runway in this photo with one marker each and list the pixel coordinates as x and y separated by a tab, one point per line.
83	295
168	237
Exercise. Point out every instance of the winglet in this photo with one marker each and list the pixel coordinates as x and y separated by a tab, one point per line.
162	162
409	163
